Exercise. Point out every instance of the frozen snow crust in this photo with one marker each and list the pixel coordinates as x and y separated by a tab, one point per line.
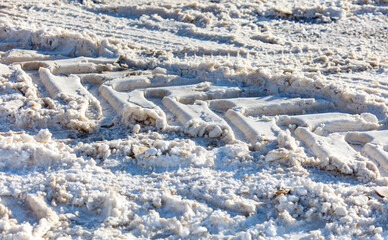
193	120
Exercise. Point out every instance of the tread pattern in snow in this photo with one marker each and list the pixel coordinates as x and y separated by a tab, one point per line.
214	110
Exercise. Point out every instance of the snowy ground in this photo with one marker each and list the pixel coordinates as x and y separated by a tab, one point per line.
193	119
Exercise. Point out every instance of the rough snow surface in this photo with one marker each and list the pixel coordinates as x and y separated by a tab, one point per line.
193	119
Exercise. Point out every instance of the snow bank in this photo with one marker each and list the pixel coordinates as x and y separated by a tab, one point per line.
61	41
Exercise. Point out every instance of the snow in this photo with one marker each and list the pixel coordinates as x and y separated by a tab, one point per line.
181	119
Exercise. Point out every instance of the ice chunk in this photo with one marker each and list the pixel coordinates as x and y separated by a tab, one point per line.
20	55
147	80
189	93
68	89
128	83
336	154
82	65
258	132
271	105
199	120
134	107
375	137
376	145
73	65
332	122
55	85
116	99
